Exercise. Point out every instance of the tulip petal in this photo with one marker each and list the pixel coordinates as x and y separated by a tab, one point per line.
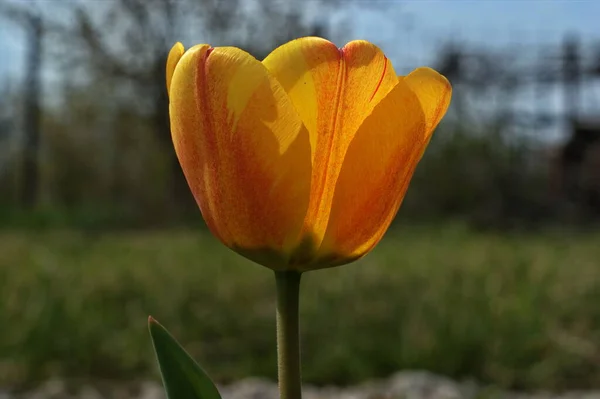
380	163
375	175
243	149
174	56
434	93
333	90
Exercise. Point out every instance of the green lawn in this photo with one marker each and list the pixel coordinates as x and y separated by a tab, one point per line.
519	311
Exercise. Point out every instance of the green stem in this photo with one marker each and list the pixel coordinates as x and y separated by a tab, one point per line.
288	339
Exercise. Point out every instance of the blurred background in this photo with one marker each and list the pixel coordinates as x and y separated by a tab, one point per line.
490	273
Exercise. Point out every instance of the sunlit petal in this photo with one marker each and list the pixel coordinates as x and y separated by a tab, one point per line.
333	90
174	56
242	147
375	176
433	91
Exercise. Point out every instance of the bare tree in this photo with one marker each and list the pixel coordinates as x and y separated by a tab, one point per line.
33	24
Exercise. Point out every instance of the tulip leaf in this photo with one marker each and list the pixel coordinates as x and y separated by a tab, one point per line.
182	376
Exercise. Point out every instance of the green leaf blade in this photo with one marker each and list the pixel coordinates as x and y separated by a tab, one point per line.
182	377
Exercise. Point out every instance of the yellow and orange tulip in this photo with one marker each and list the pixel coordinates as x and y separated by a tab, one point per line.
300	161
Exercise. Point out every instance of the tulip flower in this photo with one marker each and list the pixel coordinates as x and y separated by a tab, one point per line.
300	161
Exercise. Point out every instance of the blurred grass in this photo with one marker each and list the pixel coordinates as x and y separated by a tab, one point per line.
519	311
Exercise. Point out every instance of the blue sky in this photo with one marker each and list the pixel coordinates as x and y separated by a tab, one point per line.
540	16
414	25
417	25
10	48
409	30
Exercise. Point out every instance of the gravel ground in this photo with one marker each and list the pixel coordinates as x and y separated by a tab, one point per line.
403	385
